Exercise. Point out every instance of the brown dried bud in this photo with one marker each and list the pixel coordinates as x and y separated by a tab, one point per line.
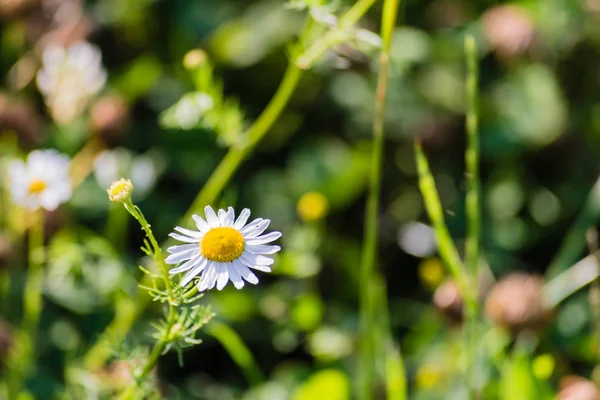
516	302
508	30
577	388
109	119
6	342
448	301
7	252
19	117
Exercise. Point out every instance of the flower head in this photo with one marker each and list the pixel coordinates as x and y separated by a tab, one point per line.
120	191
69	78
223	249
42	181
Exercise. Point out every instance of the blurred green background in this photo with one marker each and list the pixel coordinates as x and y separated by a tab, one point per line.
540	139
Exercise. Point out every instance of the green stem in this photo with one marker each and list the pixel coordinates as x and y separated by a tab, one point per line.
158	257
336	36
433	205
447	249
472	162
234	157
366	361
472	206
355	13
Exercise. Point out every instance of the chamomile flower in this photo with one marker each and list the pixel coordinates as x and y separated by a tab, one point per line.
42	181
223	249
69	78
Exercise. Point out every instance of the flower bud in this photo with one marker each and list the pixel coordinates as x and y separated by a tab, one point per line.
120	191
516	302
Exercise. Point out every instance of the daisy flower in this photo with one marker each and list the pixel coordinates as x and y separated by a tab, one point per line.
223	249
42	181
69	78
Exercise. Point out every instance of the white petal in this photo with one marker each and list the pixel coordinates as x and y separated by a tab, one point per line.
182	238
179	257
221	214
229	217
193	273
49	199
252	231
201	224
207	277
190	233
213	277
234	276
257	262
255	259
251	225
181	247
223	276
241	220
17	171
269	237
187	265
262	249
245	272
211	217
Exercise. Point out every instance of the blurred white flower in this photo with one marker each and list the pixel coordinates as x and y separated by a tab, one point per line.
69	78
223	249
42	181
142	170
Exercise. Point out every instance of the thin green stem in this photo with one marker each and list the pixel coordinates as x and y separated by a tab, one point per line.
355	13
234	157
472	206
336	36
158	257
366	361
433	206
472	162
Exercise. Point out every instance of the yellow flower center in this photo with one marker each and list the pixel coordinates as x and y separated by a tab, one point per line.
36	186
222	244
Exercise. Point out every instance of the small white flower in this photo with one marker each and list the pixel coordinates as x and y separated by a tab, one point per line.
69	78
223	249
42	181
